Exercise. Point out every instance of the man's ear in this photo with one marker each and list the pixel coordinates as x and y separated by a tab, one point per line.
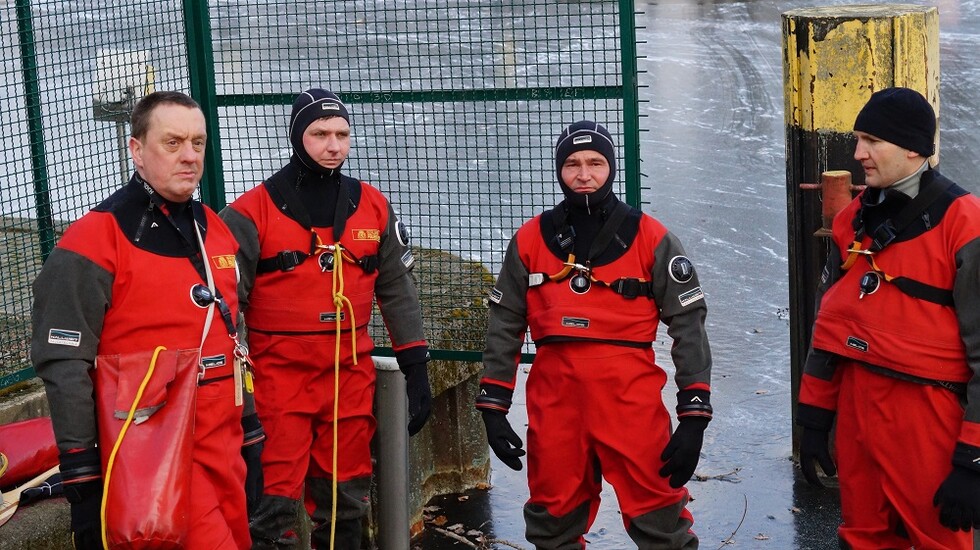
136	150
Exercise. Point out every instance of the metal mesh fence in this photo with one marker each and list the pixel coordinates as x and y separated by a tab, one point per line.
454	110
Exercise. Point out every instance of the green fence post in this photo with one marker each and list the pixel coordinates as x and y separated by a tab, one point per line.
32	96
631	107
200	63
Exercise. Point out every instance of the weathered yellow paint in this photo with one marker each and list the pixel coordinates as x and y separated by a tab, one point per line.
835	57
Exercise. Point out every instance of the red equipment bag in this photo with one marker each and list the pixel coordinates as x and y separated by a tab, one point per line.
30	449
149	482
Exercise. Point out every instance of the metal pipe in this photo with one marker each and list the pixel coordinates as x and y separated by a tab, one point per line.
391	406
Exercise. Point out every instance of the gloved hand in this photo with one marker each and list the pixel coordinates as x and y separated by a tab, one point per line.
51	487
81	474
684	450
504	441
419	396
252	445
815	446
958	497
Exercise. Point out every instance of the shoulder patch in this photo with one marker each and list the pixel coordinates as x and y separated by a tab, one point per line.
691	296
62	337
496	296
407	258
681	269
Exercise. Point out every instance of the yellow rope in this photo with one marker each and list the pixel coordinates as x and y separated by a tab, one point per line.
339	301
122	433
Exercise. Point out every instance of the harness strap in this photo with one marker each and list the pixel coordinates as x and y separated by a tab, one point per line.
283	193
888	231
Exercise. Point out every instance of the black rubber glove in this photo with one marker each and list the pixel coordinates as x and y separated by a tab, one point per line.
81	474
504	441
815	441
419	396
958	497
815	449
51	487
684	450
254	442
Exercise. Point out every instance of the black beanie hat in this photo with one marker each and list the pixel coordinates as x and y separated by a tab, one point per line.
900	116
309	106
585	135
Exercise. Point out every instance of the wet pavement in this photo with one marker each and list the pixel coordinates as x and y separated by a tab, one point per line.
714	155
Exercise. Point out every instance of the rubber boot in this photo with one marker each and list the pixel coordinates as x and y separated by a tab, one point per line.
272	523
547	532
352	508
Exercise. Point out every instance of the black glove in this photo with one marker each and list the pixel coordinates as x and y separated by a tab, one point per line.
684	450
958	497
254	442
506	444
51	487
419	396
815	447
81	474
815	441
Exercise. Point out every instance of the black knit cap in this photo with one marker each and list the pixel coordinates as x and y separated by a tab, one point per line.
901	116
585	135
309	106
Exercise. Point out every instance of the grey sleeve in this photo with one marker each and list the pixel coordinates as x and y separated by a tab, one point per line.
507	324
247	235
395	291
966	296
71	297
678	294
818	362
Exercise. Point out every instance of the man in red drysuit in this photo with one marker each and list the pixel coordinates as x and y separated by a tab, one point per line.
895	353
143	289
317	248
593	278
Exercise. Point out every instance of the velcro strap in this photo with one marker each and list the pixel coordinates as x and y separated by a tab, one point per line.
632	287
369	264
287	260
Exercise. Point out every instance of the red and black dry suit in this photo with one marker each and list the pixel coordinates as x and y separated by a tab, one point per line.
898	359
288	298
118	285
594	391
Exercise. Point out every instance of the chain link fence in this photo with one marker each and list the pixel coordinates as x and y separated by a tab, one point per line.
454	109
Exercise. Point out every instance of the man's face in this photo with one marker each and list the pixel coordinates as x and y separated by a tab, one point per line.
327	141
170	157
585	171
884	162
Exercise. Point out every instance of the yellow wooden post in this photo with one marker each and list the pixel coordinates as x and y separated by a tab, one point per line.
834	58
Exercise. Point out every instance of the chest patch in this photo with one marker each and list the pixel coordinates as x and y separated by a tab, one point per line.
575	322
366	234
331	317
213	361
223	261
857	343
